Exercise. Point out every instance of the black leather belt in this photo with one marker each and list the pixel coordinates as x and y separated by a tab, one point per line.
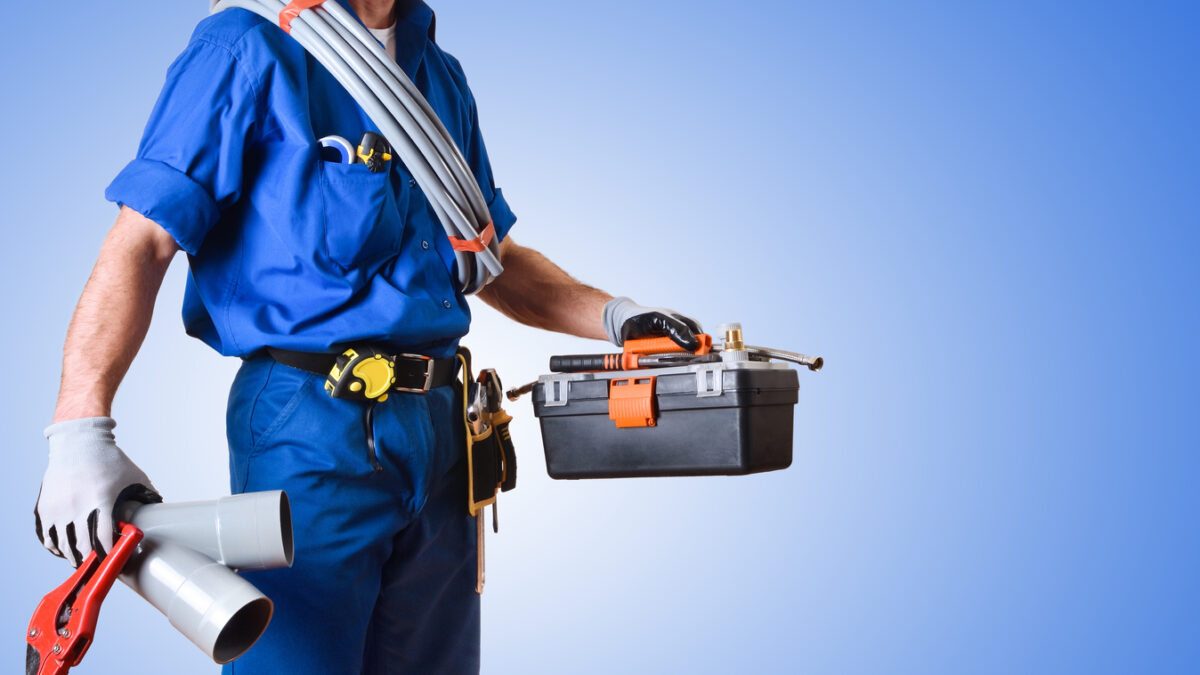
362	372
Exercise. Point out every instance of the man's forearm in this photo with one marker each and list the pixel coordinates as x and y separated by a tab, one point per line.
538	293
113	315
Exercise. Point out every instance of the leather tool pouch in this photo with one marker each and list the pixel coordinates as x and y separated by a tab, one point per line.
491	462
491	458
486	468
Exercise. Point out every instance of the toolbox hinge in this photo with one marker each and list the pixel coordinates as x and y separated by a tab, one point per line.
631	402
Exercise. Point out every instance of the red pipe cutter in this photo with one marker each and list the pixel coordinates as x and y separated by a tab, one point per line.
65	620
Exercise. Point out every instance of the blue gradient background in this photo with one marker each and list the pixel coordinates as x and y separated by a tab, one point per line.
983	215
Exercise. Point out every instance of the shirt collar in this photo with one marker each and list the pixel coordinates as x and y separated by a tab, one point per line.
415	24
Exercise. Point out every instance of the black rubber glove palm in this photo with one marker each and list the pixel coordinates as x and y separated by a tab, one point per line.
624	319
681	329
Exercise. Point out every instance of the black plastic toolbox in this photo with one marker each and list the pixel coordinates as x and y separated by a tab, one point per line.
707	419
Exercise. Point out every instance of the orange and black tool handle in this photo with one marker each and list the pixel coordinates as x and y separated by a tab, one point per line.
65	620
629	359
583	363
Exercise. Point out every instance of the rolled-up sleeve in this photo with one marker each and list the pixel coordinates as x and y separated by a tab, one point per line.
189	163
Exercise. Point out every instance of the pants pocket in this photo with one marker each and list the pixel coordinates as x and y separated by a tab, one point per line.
264	397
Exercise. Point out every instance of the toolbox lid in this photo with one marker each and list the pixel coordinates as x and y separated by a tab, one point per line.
716	384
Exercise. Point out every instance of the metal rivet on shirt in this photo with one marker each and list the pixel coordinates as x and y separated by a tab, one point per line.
446	304
425	245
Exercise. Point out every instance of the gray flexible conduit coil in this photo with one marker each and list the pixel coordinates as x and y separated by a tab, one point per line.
352	55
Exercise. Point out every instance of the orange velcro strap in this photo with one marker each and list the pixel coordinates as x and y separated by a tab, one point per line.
293	10
631	402
477	244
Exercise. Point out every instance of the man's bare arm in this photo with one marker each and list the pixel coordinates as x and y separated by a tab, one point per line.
538	293
113	315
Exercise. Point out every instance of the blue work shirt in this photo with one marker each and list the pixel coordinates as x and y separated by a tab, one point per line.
287	250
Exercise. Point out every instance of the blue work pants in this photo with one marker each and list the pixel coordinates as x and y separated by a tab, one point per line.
384	574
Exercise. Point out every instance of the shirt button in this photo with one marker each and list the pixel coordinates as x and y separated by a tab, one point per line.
412	182
446	304
425	245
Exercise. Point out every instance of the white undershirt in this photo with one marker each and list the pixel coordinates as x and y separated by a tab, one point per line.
387	37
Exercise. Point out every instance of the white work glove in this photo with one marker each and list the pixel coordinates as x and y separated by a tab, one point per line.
86	476
625	319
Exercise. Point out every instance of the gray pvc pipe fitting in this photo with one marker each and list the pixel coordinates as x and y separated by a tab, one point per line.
251	531
182	565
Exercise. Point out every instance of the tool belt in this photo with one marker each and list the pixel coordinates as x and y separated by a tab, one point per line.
365	373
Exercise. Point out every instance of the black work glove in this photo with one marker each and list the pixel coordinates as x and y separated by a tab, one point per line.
626	320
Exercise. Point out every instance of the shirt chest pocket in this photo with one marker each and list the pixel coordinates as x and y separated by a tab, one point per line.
363	220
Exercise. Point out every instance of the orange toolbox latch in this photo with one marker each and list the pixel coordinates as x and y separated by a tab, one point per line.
631	402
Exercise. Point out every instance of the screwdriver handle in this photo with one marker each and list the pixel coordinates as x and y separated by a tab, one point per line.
583	363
